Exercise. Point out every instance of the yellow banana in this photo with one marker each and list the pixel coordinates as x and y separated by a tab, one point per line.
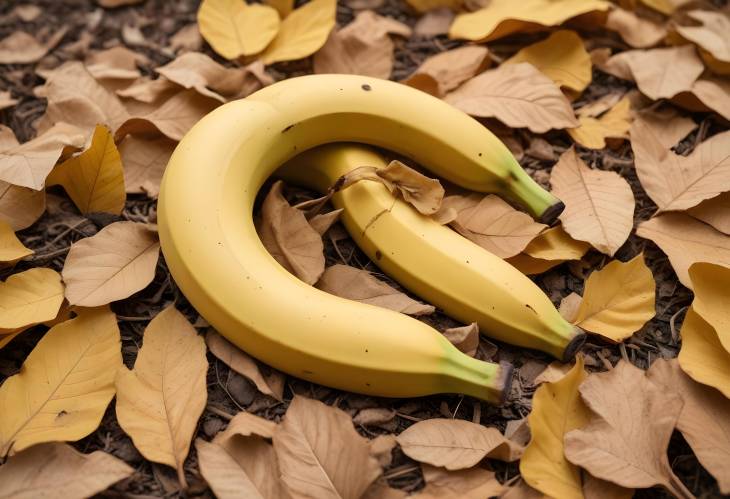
213	252
447	270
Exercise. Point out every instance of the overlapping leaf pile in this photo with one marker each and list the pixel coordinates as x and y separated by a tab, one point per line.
612	108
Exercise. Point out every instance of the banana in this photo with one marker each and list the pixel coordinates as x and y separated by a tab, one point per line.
447	270
213	252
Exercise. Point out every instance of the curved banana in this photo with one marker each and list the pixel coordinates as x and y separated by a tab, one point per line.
444	268
213	252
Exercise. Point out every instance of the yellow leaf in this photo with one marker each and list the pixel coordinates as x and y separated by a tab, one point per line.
556	409
503	17
618	299
593	132
30	297
21	206
715	212
562	57
302	33
702	356
65	384
711	285
556	244
95	179
59	470
532	266
283	7
599	205
11	249
636	31
160	401
233	28
111	265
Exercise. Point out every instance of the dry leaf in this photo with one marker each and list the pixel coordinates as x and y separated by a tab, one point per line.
117	3
556	409
668	128
550	248
160	401
593	132
556	370
30	297
320	453
187	39
447	70
702	356
434	22
634	30
504	17
599	205
423	193
94	179
710	285
27	13
561	57
323	221
465	338
244	365
360	285
6	100
11	249
117	63
715	212
302	32
676	182
455	444
21	206
148	91
246	424
704	420
428	5
518	95
686	240
59	470
234	28
22	48
475	483
521	491
7	138
618	299
289	238
707	94
569	306
112	265
144	163
666	7
283	7
64	387
381	448
711	36
374	416
627	437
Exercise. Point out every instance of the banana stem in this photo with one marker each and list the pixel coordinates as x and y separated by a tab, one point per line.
483	380
542	204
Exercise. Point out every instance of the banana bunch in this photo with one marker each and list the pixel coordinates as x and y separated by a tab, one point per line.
214	253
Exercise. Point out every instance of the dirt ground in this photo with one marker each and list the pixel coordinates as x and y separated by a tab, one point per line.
229	393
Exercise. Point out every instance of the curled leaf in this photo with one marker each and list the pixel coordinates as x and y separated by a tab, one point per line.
447	70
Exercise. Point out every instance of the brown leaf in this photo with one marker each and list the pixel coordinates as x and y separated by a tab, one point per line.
244	365
447	70
289	238
117	3
599	205
6	100
22	48
147	91
494	225
320	453
569	306
456	444
704	420
27	13
522	491
715	212
556	370
323	221
666	128
21	206
144	163
113	264
360	285
381	448
424	193
465	338
686	240
711	36
117	63
475	483
58	470
186	39
518	95
434	22
627	437
380	490
374	416
246	424
707	94
636	31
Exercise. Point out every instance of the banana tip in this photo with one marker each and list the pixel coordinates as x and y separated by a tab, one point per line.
575	345
551	213
505	381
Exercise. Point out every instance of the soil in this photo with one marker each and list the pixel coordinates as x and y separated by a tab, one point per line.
228	392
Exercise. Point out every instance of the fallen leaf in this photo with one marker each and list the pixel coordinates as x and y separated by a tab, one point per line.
287	235
434	22
551	247
686	240
112	265
283	7
665	6
320	453
11	249
595	488
707	94
246	424
21	206
234	28
302	32
593	132
374	416
27	13
423	193
323	221
381	448
561	57
465	338
556	409
599	205
455	444
518	95
627	437
147	91
94	179
556	370
187	39
569	306
715	212
116	63
428	5
668	128
704	420
711	36
144	163
702	356
244	365
22	48
59	470
618	299
447	70
160	400
710	286
475	483
521	491
360	285
6	100
64	387
30	297
638	32
504	17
